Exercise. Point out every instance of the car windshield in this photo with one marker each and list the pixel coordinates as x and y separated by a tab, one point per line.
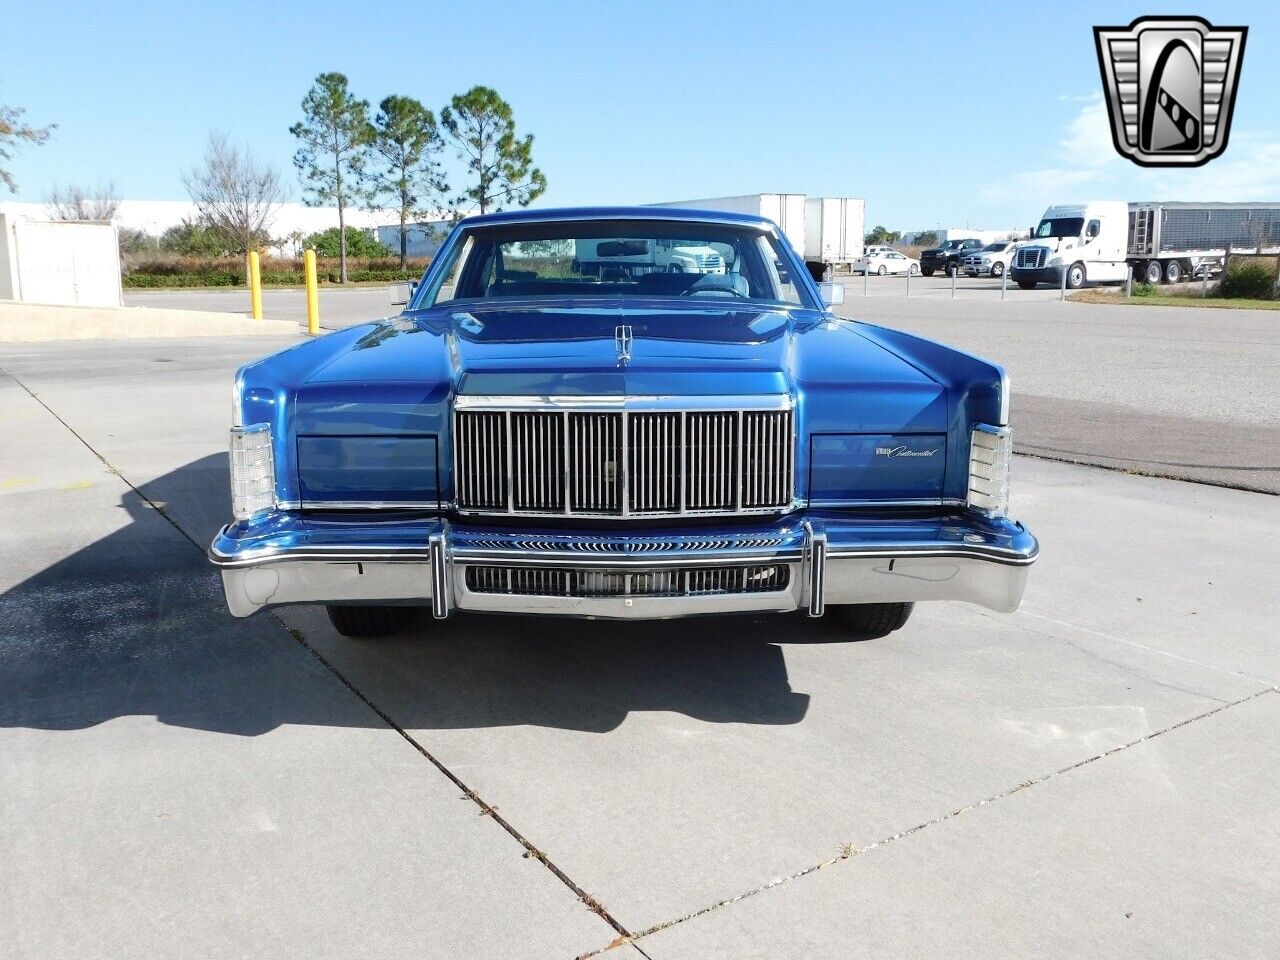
618	258
995	247
1063	227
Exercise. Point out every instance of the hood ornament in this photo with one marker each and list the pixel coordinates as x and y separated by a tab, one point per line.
622	340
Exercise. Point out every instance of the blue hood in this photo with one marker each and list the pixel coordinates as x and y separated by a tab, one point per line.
685	350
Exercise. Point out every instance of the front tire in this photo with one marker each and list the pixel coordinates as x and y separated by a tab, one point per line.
997	270
927	272
882	271
870	621
913	270
1027	284
369	621
1075	276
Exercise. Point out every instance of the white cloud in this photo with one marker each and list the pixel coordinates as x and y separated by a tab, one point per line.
1083	155
1084	165
1249	170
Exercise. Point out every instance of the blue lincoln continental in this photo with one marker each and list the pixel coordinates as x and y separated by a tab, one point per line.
620	413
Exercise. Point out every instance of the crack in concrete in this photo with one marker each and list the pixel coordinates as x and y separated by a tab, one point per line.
1123	668
849	851
485	809
1140	472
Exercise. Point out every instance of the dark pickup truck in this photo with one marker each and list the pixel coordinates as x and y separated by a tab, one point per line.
950	256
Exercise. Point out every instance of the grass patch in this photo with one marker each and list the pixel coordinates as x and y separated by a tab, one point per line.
1153	299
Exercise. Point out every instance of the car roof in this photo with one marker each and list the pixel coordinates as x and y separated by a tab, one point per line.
616	213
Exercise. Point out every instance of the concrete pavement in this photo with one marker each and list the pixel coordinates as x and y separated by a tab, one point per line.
175	781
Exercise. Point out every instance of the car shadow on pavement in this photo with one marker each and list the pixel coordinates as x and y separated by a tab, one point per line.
134	624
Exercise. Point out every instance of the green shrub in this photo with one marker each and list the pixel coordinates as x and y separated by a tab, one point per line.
150	281
1252	281
1145	290
360	243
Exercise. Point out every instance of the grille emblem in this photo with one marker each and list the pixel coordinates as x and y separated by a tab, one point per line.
622	340
1171	87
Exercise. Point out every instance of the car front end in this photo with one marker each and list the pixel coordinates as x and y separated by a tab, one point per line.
622	458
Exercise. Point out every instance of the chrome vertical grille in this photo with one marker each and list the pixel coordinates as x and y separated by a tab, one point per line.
654	467
480	468
711	475
537	462
618	464
595	462
767	455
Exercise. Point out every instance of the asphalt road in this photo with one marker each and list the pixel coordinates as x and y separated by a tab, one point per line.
1169	391
1094	773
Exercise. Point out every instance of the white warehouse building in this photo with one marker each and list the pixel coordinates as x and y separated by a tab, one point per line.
291	220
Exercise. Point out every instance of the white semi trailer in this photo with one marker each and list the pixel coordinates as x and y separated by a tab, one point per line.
1173	241
1101	241
826	231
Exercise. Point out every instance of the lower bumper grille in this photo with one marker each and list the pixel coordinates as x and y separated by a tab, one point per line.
684	582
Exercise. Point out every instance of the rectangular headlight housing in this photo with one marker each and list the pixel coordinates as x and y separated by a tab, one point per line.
253	472
990	449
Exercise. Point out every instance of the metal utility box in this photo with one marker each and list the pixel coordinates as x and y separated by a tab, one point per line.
59	262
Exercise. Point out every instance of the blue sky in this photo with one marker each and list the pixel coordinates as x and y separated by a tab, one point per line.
936	117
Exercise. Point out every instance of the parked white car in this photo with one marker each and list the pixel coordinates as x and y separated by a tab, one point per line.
992	260
886	261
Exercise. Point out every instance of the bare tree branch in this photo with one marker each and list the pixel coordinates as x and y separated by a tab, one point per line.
77	203
236	196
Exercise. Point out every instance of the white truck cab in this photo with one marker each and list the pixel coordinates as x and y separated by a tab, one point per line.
1086	241
668	256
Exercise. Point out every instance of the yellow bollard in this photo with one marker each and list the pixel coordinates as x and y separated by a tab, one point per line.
313	296
255	284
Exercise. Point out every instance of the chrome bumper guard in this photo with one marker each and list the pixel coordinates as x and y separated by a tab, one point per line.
829	560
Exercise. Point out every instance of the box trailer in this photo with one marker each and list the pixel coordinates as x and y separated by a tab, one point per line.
826	231
833	233
784	209
1174	241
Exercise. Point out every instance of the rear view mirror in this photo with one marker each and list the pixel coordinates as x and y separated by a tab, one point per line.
832	293
402	293
623	248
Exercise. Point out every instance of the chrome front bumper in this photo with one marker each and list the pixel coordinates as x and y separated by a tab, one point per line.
830	559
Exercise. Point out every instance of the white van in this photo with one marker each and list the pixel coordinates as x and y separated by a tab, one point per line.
1089	241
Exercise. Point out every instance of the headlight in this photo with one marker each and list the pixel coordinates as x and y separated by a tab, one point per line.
253	473
990	449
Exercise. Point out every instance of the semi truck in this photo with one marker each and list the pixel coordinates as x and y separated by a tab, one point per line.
1101	241
826	231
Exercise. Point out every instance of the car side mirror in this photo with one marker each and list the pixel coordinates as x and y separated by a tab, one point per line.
832	293
402	293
